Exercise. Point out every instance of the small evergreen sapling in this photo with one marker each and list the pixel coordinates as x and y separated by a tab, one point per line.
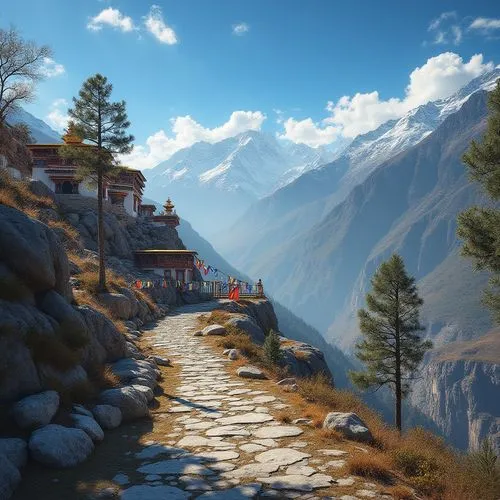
272	349
391	347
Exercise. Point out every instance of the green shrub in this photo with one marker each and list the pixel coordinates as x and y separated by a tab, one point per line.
272	351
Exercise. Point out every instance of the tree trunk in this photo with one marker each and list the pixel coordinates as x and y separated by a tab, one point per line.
397	374
100	232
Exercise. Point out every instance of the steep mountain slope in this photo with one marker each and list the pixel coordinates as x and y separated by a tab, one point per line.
39	130
219	181
299	205
408	205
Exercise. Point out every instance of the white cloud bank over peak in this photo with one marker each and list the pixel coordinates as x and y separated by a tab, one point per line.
350	116
111	17
185	132
158	28
58	115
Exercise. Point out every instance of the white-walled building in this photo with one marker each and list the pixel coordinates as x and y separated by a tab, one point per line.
59	175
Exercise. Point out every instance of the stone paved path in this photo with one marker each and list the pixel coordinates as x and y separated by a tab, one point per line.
225	442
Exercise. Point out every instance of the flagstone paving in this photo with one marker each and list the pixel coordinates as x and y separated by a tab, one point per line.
213	435
226	441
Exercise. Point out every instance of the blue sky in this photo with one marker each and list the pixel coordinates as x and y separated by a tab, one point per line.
205	70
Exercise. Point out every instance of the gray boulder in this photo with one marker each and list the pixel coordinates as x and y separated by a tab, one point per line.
16	450
33	252
89	425
248	326
132	403
106	342
9	477
119	304
81	410
233	354
19	373
214	330
134	303
348	424
251	372
37	410
128	369
146	390
71	324
58	446
107	416
161	361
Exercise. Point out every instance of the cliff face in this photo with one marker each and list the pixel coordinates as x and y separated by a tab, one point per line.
459	396
257	318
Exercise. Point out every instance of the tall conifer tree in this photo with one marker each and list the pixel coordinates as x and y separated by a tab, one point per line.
391	347
103	125
479	227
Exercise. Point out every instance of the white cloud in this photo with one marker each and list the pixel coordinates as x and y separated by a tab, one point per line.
185	132
445	29
485	24
158	28
240	29
350	116
51	68
111	17
310	133
436	23
58	115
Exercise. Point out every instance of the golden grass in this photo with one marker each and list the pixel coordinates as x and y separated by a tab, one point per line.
102	377
400	492
428	465
373	465
69	234
301	355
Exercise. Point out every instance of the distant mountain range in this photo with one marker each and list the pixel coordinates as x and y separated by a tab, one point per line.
218	182
40	131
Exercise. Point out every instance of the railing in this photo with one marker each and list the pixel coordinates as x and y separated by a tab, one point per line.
216	289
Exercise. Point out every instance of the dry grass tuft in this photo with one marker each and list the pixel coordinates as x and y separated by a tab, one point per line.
215	317
301	355
283	416
400	492
374	465
102	377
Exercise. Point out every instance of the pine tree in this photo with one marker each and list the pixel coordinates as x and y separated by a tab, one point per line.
391	347
103	125
479	227
272	350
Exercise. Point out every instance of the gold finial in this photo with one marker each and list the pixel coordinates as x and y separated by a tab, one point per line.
169	207
70	137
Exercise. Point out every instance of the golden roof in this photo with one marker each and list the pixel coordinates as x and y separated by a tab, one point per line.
70	137
169	206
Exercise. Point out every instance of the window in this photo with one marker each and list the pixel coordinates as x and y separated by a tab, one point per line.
40	163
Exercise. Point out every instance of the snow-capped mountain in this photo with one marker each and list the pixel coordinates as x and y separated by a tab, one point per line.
236	171
40	131
367	151
393	137
251	163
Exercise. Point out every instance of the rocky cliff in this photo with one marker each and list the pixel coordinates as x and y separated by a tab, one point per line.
458	389
256	318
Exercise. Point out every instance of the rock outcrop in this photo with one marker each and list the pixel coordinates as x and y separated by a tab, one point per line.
457	395
256	318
